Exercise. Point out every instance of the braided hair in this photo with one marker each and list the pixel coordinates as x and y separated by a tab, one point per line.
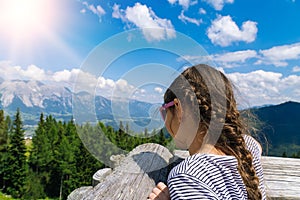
204	84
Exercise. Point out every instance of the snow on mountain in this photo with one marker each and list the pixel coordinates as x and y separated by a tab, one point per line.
34	97
33	93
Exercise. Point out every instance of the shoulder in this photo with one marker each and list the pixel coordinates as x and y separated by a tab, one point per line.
190	178
253	145
184	186
197	161
210	175
205	166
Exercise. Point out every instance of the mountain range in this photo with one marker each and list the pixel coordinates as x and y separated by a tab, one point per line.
280	126
34	97
280	123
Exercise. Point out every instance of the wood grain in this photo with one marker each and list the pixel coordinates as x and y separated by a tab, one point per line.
135	175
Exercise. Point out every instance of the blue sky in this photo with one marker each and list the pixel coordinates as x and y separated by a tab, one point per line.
256	43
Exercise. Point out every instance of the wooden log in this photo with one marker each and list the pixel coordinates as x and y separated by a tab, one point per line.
282	177
135	175
100	175
80	193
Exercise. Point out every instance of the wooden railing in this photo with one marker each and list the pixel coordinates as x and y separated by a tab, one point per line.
134	176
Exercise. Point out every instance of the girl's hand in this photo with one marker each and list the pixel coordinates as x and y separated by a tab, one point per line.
160	192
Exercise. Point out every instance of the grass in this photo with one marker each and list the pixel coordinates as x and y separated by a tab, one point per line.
8	197
5	197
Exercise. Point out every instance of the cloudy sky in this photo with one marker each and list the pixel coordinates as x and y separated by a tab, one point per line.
134	47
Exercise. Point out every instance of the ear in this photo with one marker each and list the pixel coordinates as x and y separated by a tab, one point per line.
178	108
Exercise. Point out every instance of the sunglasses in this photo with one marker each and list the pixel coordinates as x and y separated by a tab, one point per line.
163	109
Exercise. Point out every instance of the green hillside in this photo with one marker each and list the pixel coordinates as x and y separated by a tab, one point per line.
280	125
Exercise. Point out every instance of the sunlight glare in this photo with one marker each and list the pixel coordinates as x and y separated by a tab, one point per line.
25	18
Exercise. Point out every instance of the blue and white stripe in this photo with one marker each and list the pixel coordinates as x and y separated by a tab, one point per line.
208	176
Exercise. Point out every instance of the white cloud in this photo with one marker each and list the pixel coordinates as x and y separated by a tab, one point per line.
279	55
225	60
100	10
142	91
105	83
184	3
158	89
186	19
64	78
152	27
120	89
192	59
256	88
100	86
218	4
123	86
235	57
97	10
224	31
77	81
117	12
32	72
296	69
172	1
66	75
202	11
261	87
83	11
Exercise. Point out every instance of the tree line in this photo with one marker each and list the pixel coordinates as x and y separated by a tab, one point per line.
56	160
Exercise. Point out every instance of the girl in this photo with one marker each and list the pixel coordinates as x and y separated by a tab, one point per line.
201	114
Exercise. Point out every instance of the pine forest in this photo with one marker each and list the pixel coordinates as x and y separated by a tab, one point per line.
56	161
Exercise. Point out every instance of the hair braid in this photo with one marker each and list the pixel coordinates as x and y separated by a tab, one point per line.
233	144
234	129
231	140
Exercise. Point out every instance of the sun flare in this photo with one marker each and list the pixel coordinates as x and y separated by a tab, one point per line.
25	18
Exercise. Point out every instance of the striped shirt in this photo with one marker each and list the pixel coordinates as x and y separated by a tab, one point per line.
209	176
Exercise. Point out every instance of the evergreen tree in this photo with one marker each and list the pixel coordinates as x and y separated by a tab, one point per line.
284	154
121	128
34	189
60	163
127	131
67	164
38	161
3	132
52	169
146	132
16	160
86	163
3	147
38	141
44	158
